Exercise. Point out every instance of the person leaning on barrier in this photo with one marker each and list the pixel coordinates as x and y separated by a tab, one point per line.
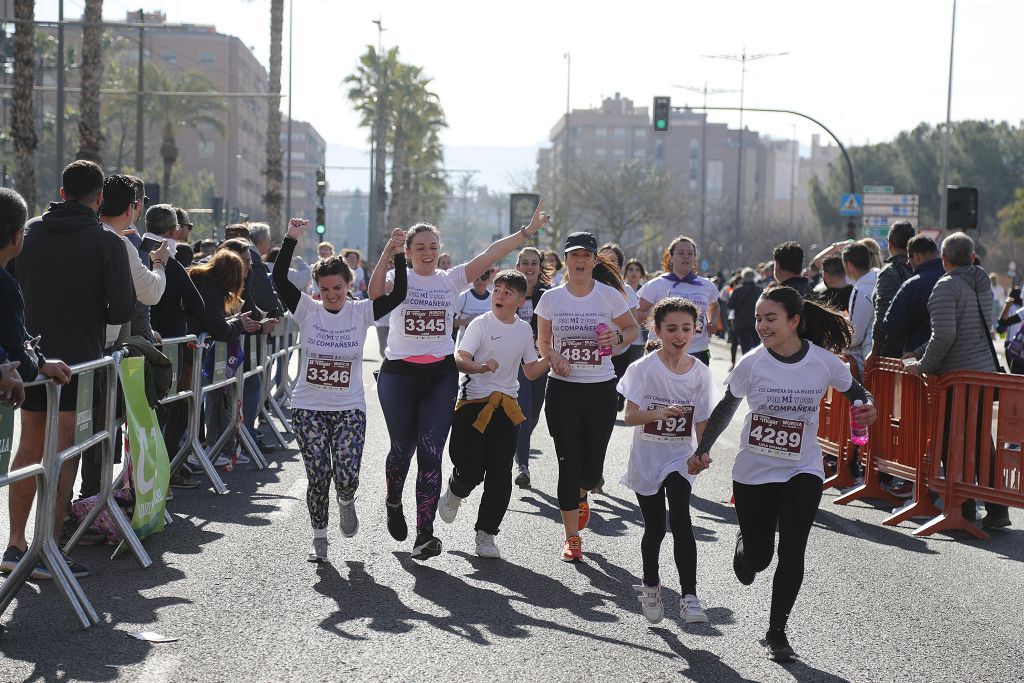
895	271
907	316
69	309
960	315
857	262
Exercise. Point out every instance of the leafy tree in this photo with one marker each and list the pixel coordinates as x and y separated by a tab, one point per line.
1011	217
90	133
272	198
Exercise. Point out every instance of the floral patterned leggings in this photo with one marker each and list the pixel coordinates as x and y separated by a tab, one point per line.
331	443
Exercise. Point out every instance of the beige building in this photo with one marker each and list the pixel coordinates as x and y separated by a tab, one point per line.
309	152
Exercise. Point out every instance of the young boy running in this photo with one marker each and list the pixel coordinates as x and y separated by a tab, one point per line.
483	439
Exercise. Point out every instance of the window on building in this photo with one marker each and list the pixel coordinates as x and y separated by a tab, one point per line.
640	153
170	56
715	171
600	132
619	153
620	133
207	149
600	152
693	169
692	185
640	133
206	58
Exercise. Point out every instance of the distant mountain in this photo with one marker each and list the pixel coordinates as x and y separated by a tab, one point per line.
499	168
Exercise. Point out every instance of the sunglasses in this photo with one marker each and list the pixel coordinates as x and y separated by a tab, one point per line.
187	225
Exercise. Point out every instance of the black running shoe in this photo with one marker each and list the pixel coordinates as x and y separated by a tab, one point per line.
427	545
744	573
778	647
397	527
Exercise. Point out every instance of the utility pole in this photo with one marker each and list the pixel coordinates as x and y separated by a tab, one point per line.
705	91
373	222
568	128
140	151
288	134
943	206
742	58
60	91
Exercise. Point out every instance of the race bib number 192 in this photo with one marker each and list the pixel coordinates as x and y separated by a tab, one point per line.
670	430
425	324
775	437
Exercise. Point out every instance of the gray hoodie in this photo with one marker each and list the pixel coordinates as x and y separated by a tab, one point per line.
960	338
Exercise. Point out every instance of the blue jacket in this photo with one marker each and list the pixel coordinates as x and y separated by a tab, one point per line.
907	317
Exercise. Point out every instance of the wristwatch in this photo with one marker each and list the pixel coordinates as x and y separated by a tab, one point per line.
618	335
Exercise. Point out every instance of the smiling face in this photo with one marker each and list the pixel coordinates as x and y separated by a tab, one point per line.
422	251
529	265
579	265
676	332
332	291
684	259
774	327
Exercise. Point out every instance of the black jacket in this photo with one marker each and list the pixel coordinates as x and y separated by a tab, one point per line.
743	300
13	334
76	280
801	284
180	299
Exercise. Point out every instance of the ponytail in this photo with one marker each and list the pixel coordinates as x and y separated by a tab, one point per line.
820	325
606	272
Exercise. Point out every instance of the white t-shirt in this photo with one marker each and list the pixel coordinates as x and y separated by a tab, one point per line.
633	303
331	361
359	283
469	306
422	324
701	293
780	430
508	343
639	341
573	320
660	448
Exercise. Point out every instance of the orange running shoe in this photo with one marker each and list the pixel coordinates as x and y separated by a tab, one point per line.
572	551
584	515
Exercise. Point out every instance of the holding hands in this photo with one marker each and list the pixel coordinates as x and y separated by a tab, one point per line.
396	243
560	364
697	463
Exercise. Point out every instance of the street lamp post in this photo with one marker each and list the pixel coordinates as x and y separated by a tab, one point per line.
742	58
705	91
288	178
943	207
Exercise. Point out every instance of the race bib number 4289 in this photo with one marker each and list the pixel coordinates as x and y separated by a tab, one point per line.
426	324
775	437
581	353
669	430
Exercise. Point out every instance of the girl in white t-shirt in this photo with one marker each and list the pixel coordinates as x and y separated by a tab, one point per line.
668	401
328	404
418	379
778	473
577	324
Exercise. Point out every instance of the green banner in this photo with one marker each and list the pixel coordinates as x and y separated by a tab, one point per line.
6	438
149	455
83	407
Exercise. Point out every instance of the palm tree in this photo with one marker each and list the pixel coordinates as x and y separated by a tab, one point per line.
370	91
172	113
22	116
90	134
273	197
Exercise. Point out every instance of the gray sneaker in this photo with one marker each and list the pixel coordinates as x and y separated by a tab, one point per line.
485	545
347	519
448	506
319	553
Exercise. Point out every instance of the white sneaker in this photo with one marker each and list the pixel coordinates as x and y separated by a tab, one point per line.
448	506
650	602
347	519
485	545
221	461
242	459
319	553
691	610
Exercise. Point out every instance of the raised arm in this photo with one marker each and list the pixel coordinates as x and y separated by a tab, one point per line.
385	303
506	245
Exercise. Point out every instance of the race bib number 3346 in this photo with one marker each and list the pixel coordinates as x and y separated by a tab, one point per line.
775	437
425	324
329	374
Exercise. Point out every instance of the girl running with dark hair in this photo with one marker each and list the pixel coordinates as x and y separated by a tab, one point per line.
777	475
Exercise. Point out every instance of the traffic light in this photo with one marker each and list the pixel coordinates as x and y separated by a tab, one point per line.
321	183
961	208
662	112
321	221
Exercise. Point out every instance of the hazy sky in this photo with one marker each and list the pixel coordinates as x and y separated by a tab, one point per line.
867	69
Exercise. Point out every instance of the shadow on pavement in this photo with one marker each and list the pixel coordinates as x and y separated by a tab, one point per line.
701	664
875	533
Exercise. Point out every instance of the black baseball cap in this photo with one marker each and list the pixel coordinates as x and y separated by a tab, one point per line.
580	240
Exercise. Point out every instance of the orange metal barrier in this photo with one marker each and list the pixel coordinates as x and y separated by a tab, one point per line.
898	438
982	441
834	433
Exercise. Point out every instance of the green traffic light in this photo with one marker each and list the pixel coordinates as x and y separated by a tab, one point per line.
321	229
661	124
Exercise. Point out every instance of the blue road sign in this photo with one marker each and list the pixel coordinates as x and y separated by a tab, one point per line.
851	205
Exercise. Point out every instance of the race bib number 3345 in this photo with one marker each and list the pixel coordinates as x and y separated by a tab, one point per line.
775	437
425	324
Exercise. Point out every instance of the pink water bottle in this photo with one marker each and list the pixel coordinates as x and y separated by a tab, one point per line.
603	350
858	432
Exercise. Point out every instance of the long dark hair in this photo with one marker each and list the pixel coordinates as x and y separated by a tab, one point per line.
819	324
227	272
606	272
546	271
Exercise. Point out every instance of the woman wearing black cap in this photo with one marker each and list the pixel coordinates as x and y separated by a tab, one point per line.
577	324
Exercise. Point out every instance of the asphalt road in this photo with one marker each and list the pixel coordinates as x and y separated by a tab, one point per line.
230	580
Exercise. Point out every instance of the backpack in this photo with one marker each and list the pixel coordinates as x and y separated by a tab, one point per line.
158	370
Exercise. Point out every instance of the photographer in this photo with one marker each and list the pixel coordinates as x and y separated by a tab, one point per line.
1010	323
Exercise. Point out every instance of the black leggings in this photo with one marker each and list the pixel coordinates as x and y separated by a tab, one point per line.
676	489
580	420
791	506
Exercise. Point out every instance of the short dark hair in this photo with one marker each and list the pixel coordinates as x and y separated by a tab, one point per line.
512	279
332	265
13	214
161	219
237	230
833	265
900	233
82	180
858	255
118	194
790	257
922	244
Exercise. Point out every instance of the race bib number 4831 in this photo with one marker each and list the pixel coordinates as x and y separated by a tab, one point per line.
670	430
329	374
581	353
425	324
775	437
